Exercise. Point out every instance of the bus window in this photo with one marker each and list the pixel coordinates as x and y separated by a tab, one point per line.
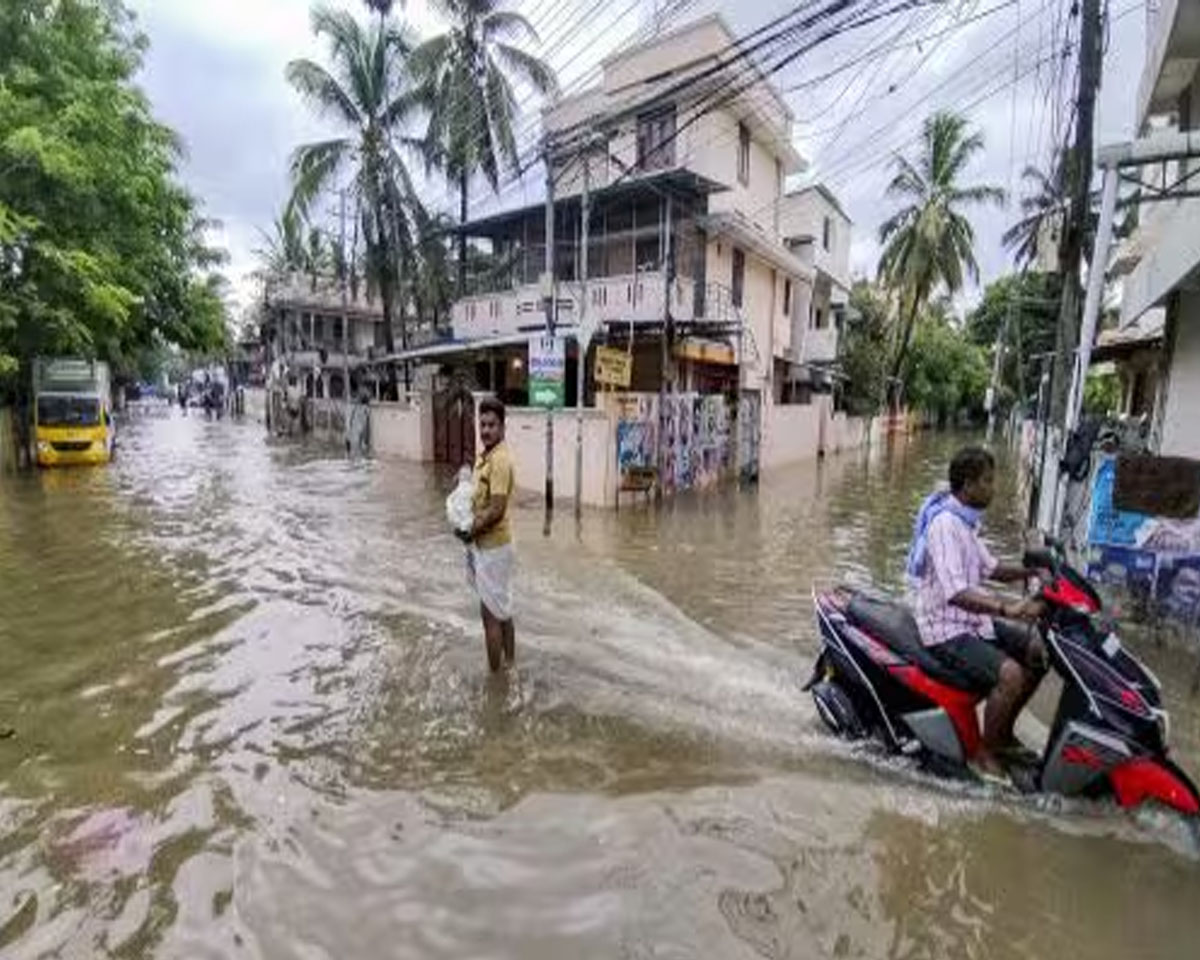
60	411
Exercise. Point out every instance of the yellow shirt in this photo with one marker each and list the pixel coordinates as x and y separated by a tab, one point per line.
494	477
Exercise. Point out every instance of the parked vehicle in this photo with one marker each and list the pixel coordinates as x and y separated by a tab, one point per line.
72	412
1109	734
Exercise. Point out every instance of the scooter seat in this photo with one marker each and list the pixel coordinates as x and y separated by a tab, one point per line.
894	625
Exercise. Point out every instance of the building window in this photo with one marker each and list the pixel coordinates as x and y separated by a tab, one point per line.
787	298
656	140
827	233
743	171
738	284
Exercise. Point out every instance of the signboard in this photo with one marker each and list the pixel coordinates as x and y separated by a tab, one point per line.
547	371
614	368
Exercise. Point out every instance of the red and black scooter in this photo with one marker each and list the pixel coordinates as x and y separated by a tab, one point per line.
1109	735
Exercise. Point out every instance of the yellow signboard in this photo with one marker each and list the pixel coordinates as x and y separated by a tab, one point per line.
614	368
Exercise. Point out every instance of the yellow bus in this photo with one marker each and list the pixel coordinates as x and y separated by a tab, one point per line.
72	412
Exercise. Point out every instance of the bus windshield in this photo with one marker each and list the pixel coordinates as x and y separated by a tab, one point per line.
64	411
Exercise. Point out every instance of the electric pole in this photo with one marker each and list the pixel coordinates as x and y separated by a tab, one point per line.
345	316
583	333
549	301
668	332
1079	183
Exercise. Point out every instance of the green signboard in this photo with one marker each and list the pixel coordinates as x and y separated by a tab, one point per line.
547	372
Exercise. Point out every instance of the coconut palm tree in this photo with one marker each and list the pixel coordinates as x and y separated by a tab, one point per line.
1048	199
366	90
467	74
928	244
282	251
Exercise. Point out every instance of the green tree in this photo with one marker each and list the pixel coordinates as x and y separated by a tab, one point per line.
945	373
1101	393
294	247
929	243
102	252
467	74
1022	309
367	91
863	350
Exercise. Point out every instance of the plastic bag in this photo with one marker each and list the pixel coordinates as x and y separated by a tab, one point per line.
459	511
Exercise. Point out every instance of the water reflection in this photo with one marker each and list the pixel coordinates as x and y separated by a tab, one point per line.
252	719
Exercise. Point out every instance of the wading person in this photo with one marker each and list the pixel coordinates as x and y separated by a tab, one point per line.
490	557
958	616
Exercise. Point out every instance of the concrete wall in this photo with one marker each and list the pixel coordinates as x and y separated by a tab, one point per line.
713	151
402	431
798	432
790	434
526	436
759	304
1181	425
705	37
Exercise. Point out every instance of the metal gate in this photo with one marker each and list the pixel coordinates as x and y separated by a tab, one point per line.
454	427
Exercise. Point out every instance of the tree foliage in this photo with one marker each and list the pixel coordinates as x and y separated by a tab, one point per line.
101	250
467	75
945	373
929	243
367	91
864	349
1028	303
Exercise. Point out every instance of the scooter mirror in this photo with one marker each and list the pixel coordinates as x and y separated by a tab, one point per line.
1040	559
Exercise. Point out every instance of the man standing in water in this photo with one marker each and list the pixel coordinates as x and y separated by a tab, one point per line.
957	616
490	557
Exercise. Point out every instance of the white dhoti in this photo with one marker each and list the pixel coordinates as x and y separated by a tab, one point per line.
490	573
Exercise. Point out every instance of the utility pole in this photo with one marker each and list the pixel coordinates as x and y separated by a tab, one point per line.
550	302
345	316
583	333
1071	257
667	331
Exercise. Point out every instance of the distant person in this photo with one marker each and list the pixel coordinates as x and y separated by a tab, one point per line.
490	556
293	403
959	619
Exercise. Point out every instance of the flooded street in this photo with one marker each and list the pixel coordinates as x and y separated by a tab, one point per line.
251	718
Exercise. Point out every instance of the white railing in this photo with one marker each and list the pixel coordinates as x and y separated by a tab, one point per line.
634	297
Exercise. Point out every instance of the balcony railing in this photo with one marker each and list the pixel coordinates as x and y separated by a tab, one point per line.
636	298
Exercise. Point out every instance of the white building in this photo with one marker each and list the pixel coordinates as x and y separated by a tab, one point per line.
691	230
318	335
1163	258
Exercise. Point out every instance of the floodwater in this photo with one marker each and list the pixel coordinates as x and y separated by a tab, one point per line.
249	716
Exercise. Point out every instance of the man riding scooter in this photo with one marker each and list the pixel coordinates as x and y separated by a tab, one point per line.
964	625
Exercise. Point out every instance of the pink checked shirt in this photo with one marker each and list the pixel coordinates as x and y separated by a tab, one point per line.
955	560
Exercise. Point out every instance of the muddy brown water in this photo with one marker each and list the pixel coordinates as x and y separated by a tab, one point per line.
250	718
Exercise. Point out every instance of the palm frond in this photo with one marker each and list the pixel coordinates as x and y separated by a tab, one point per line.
978	194
501	106
507	23
319	87
313	166
528	68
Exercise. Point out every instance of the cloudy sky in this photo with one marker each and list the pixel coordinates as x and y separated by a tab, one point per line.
215	72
